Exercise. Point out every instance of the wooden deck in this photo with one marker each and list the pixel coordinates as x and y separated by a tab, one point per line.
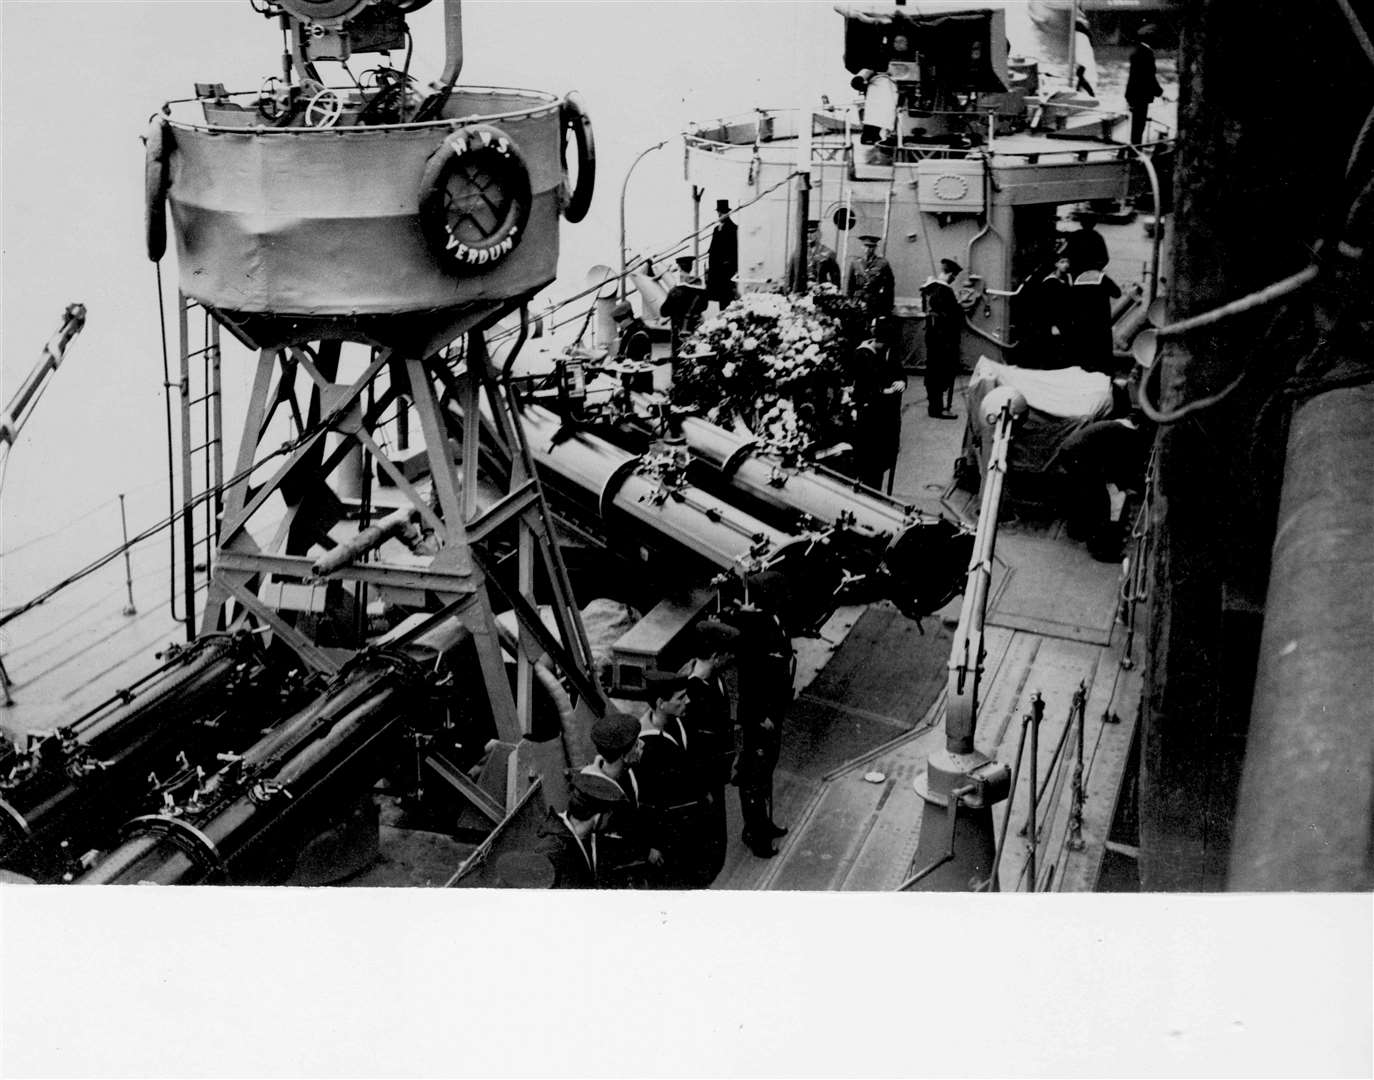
870	701
876	707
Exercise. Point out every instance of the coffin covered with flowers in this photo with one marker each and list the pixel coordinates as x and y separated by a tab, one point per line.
778	365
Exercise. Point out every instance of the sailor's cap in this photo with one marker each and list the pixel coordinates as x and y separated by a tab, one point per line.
596	792
662	684
714	636
614	734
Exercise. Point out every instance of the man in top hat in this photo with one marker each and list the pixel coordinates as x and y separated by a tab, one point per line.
670	790
635	343
723	258
712	732
628	854
822	264
944	332
1142	84
568	839
870	280
685	303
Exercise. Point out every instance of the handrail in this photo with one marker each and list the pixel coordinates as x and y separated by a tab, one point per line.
822	142
547	102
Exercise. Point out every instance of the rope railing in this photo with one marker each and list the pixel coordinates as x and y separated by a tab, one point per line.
325	424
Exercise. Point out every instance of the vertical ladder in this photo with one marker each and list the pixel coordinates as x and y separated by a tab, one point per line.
202	451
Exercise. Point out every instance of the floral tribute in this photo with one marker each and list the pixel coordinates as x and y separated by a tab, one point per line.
775	364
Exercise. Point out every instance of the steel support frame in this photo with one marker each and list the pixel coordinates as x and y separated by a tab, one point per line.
457	576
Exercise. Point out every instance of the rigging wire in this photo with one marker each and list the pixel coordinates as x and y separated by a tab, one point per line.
1357	28
74	521
665	253
1255	300
325	424
167	408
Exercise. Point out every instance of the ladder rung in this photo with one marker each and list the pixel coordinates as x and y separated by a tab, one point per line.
203	397
203	446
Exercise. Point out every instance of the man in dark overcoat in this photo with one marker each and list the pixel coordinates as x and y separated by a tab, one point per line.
944	332
723	258
1142	84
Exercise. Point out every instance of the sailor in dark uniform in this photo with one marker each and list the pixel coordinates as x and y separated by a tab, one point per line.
635	342
627	855
711	729
1086	248
1052	318
1090	321
670	790
568	839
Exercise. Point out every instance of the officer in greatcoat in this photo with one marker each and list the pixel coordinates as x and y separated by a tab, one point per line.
823	266
1142	82
944	332
871	280
876	435
766	665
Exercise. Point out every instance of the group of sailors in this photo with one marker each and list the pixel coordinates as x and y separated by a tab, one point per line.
1068	311
649	810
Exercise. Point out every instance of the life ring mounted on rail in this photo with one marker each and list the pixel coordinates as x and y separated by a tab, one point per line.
156	153
572	115
475	198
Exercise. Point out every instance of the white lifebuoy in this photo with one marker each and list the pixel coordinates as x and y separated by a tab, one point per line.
455	156
572	114
157	149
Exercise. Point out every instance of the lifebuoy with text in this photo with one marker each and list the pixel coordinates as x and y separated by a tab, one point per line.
475	198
